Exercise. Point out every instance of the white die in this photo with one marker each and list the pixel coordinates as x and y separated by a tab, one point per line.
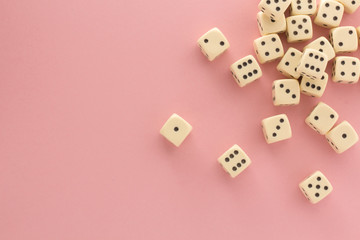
289	63
350	5
312	64
322	45
268	48
322	118
213	44
346	70
299	28
303	7
316	187
268	26
286	92
344	39
276	128
342	137
234	161
274	8
329	14
246	70
176	129
314	87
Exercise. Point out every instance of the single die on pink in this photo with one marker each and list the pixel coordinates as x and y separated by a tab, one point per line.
322	118
274	8
234	161
213	44
286	92
350	5
299	28
246	70
342	137
176	129
329	14
344	39
268	26
322	45
314	87
346	70
276	128
289	62
316	187
268	48
313	64
303	7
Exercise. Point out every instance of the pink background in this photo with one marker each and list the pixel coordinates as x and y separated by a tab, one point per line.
85	86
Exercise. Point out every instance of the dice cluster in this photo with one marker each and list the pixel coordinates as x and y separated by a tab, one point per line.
305	72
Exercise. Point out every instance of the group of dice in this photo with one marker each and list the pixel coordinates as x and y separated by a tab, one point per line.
308	67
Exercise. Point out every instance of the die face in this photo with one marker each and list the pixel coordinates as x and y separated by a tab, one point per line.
176	129
322	45
274	8
316	187
286	92
350	6
269	26
246	70
299	28
329	14
276	128
289	63
344	39
314	88
346	70
313	64
268	48
213	43
234	161
342	137
322	118
303	7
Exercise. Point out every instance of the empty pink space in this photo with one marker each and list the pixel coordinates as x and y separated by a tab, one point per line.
86	85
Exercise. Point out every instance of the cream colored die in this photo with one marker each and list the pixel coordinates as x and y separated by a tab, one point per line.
350	5
322	118
344	39
268	48
234	161
213	43
246	70
313	64
176	129
316	187
342	137
269	26
329	14
303	7
289	62
322	45
274	8
276	128
299	28
286	92
346	70
314	87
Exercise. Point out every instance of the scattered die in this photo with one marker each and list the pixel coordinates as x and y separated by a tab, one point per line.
268	26
246	70
312	64
346	70
322	118
350	5
329	14
286	92
268	48
213	43
274	8
176	129
314	87
344	39
316	187
299	28
289	63
322	45
342	137
276	128
303	7
234	161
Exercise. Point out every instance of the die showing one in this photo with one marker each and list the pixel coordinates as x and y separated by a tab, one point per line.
268	48
342	137
350	5
299	28
176	129
322	45
312	64
329	14
344	39
289	62
213	44
346	70
268	26
246	70
276	128
314	87
303	7
322	118
316	187
286	92
274	8
234	161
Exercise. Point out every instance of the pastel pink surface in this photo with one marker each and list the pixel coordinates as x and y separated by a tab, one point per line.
85	86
